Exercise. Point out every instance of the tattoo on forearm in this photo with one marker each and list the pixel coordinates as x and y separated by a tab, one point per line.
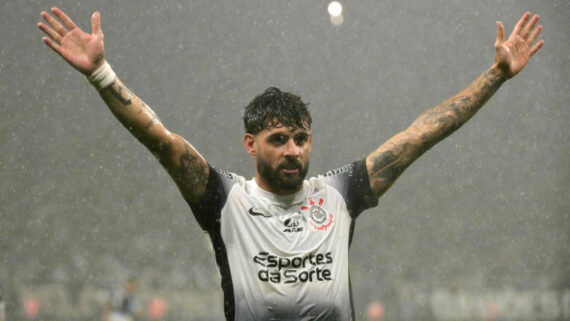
389	165
428	129
153	117
121	93
150	123
445	118
191	171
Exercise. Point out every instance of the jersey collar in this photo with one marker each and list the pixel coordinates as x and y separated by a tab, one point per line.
283	201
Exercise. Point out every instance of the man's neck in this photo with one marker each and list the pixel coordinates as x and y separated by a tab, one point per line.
275	190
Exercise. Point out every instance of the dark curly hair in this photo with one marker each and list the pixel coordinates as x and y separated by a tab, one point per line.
275	108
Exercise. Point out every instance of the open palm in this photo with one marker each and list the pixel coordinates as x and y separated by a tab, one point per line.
83	51
512	55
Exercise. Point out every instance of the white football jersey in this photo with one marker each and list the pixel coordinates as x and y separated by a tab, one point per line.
285	257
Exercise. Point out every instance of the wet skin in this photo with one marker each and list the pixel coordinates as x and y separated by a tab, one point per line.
281	156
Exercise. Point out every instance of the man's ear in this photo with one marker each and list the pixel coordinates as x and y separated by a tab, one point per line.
249	143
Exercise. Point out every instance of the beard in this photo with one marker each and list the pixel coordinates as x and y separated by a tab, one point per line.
280	182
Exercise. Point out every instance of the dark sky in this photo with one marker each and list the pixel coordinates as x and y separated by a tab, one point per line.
490	200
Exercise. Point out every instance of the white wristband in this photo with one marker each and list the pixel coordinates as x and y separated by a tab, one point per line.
103	77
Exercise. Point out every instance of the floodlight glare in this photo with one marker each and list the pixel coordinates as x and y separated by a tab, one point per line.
335	8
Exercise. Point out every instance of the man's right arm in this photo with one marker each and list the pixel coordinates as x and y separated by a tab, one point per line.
182	162
85	52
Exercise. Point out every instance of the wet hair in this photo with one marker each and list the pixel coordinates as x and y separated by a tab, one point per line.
275	108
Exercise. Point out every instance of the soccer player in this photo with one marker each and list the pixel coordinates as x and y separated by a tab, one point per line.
122	305
281	241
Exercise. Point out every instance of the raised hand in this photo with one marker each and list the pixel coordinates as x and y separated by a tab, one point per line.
512	55
84	52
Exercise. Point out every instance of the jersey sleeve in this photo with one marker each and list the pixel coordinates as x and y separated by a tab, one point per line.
207	212
352	182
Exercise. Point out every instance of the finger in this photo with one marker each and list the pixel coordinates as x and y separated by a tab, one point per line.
527	29
534	34
67	22
500	33
521	23
536	47
55	25
48	31
52	45
96	22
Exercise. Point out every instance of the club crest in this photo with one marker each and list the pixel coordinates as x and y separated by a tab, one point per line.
320	219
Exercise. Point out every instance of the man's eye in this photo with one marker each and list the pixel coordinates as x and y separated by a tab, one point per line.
301	139
279	139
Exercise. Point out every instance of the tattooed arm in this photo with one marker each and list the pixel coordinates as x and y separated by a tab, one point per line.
185	165
85	52
390	160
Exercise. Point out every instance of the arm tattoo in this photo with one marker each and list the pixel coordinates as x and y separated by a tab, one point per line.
121	93
445	118
151	123
191	172
392	158
388	165
153	117
442	120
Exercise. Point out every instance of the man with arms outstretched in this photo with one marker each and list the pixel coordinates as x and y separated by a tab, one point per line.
281	241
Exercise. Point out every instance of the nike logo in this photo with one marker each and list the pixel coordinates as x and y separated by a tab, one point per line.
255	213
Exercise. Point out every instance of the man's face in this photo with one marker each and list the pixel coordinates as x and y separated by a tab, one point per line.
282	158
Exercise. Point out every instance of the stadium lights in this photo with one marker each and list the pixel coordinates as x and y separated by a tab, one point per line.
335	12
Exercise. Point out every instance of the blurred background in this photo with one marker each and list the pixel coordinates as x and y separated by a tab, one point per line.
476	229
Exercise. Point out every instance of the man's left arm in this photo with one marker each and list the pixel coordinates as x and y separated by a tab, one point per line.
389	161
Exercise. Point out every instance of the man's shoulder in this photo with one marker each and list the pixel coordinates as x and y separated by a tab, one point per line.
226	176
343	172
345	169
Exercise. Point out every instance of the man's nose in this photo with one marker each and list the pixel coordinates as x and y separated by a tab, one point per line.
291	149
